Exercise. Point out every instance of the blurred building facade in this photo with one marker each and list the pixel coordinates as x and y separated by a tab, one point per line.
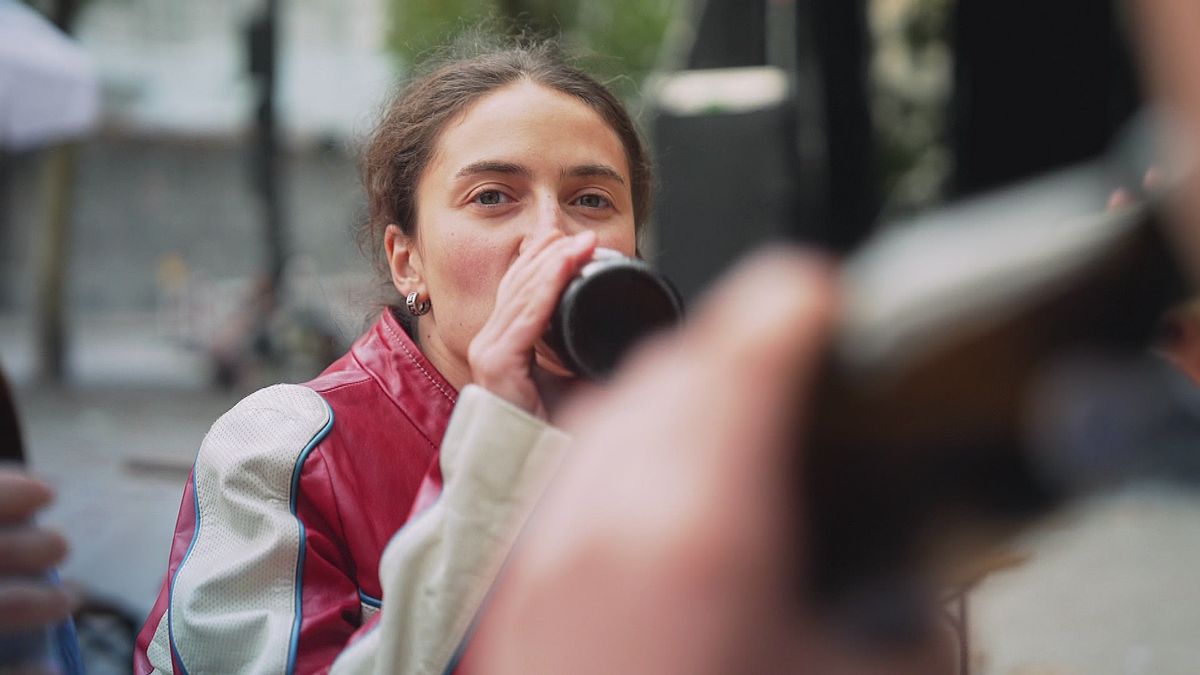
181	68
165	228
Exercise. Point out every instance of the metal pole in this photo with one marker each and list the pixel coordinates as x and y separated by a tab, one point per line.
268	169
59	182
53	256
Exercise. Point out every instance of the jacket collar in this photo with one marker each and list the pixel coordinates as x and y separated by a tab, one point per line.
406	376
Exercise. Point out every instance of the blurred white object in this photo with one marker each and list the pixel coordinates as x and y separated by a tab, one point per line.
48	87
720	90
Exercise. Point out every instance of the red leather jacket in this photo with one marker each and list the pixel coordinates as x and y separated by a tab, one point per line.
294	495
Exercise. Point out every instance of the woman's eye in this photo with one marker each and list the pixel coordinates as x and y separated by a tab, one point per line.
592	201
491	198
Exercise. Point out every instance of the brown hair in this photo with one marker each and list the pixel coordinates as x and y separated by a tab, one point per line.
405	137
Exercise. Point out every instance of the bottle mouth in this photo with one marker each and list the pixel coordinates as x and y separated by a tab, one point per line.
614	303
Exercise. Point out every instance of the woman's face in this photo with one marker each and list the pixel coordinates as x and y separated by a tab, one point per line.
517	162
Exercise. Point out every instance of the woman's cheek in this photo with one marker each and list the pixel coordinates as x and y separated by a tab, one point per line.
622	239
467	259
477	272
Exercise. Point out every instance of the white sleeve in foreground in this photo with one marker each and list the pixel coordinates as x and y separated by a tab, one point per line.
496	460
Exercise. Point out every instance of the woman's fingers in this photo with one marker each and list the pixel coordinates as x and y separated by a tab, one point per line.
533	298
532	246
32	603
534	279
561	258
502	352
26	554
21	496
28	550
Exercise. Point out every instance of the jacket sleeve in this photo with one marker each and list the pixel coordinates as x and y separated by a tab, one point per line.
437	569
231	602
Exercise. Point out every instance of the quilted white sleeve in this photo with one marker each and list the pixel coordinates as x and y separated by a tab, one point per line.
496	460
234	600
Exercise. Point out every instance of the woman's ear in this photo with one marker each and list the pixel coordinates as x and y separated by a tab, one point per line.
404	260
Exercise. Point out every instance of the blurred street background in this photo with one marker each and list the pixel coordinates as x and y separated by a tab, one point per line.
197	241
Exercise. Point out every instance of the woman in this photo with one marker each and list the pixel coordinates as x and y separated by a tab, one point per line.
490	181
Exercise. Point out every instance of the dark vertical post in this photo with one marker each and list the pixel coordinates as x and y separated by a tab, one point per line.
11	447
59	186
267	169
839	195
853	192
52	261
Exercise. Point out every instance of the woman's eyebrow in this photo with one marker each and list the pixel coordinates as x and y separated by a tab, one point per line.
493	166
594	171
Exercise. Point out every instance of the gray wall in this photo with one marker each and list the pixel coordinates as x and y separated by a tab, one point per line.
137	201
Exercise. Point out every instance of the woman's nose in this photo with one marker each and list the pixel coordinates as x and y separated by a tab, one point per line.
546	221
550	215
548	218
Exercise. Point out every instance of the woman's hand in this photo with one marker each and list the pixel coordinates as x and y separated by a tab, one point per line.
26	554
501	356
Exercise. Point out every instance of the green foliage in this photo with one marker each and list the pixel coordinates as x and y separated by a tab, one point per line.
417	26
616	40
621	39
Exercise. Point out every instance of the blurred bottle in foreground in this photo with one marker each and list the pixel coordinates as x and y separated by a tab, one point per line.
992	360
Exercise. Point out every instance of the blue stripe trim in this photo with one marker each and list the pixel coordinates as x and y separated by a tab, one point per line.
459	652
369	600
171	598
316	440
66	641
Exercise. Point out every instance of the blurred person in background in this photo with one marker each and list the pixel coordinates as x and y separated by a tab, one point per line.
490	182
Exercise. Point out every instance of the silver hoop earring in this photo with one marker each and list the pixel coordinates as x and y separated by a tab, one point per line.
414	308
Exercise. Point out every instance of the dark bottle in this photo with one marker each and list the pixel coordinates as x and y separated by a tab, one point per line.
613	303
946	413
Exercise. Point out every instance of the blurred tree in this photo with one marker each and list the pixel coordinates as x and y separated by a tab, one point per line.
618	41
